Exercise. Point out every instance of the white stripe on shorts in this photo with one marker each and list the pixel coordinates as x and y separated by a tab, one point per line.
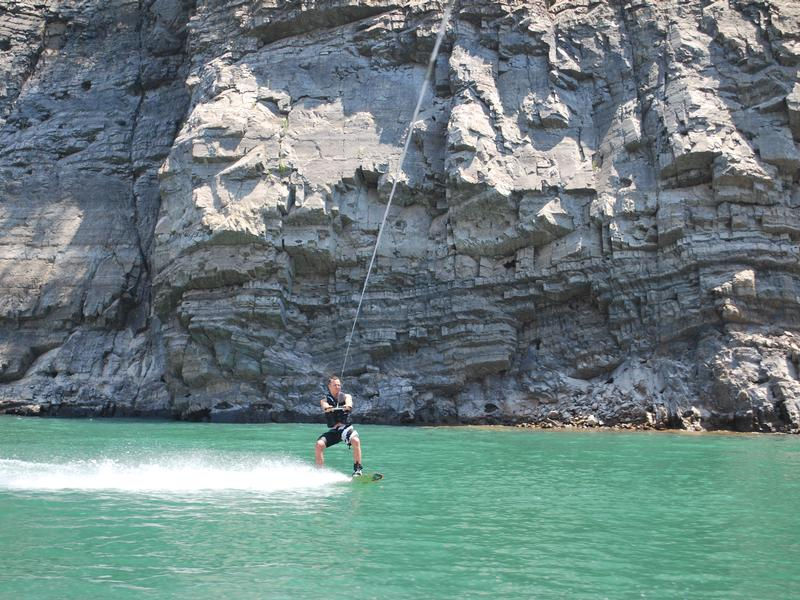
347	433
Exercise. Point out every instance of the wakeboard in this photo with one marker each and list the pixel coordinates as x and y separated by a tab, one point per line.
367	477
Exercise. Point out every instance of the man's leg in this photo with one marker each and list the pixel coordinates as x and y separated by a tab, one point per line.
319	449
356	448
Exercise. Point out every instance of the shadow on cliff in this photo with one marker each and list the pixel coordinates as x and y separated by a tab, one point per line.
77	152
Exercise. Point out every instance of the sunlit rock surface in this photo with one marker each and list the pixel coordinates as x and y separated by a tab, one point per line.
596	223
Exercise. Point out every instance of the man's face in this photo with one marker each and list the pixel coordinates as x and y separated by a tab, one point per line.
334	387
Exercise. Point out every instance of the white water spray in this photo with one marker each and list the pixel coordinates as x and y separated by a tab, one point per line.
395	176
168	474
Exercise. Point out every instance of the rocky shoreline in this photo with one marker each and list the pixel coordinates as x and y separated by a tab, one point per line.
656	419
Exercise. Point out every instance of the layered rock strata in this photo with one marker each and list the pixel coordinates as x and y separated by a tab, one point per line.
91	96
596	223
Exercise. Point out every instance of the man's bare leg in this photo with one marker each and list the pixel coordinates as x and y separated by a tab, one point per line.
319	449
356	449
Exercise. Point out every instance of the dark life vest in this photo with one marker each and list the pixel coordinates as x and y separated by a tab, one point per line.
338	415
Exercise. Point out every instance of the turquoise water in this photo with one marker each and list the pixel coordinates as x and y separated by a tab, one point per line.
130	509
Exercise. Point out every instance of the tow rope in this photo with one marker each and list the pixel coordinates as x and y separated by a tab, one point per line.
399	166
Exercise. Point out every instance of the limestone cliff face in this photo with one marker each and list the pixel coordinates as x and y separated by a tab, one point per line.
597	221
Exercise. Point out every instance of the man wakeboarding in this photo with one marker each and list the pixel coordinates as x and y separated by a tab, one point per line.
338	408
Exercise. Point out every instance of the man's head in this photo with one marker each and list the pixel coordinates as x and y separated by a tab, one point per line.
334	385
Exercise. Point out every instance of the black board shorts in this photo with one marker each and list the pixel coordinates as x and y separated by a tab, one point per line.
335	435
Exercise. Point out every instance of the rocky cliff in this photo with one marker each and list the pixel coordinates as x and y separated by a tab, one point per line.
597	222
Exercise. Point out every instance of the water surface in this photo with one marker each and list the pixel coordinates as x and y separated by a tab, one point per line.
131	509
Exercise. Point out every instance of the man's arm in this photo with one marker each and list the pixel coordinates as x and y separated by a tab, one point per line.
325	406
348	402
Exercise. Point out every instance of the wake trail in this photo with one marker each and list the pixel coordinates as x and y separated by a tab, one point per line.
172	474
